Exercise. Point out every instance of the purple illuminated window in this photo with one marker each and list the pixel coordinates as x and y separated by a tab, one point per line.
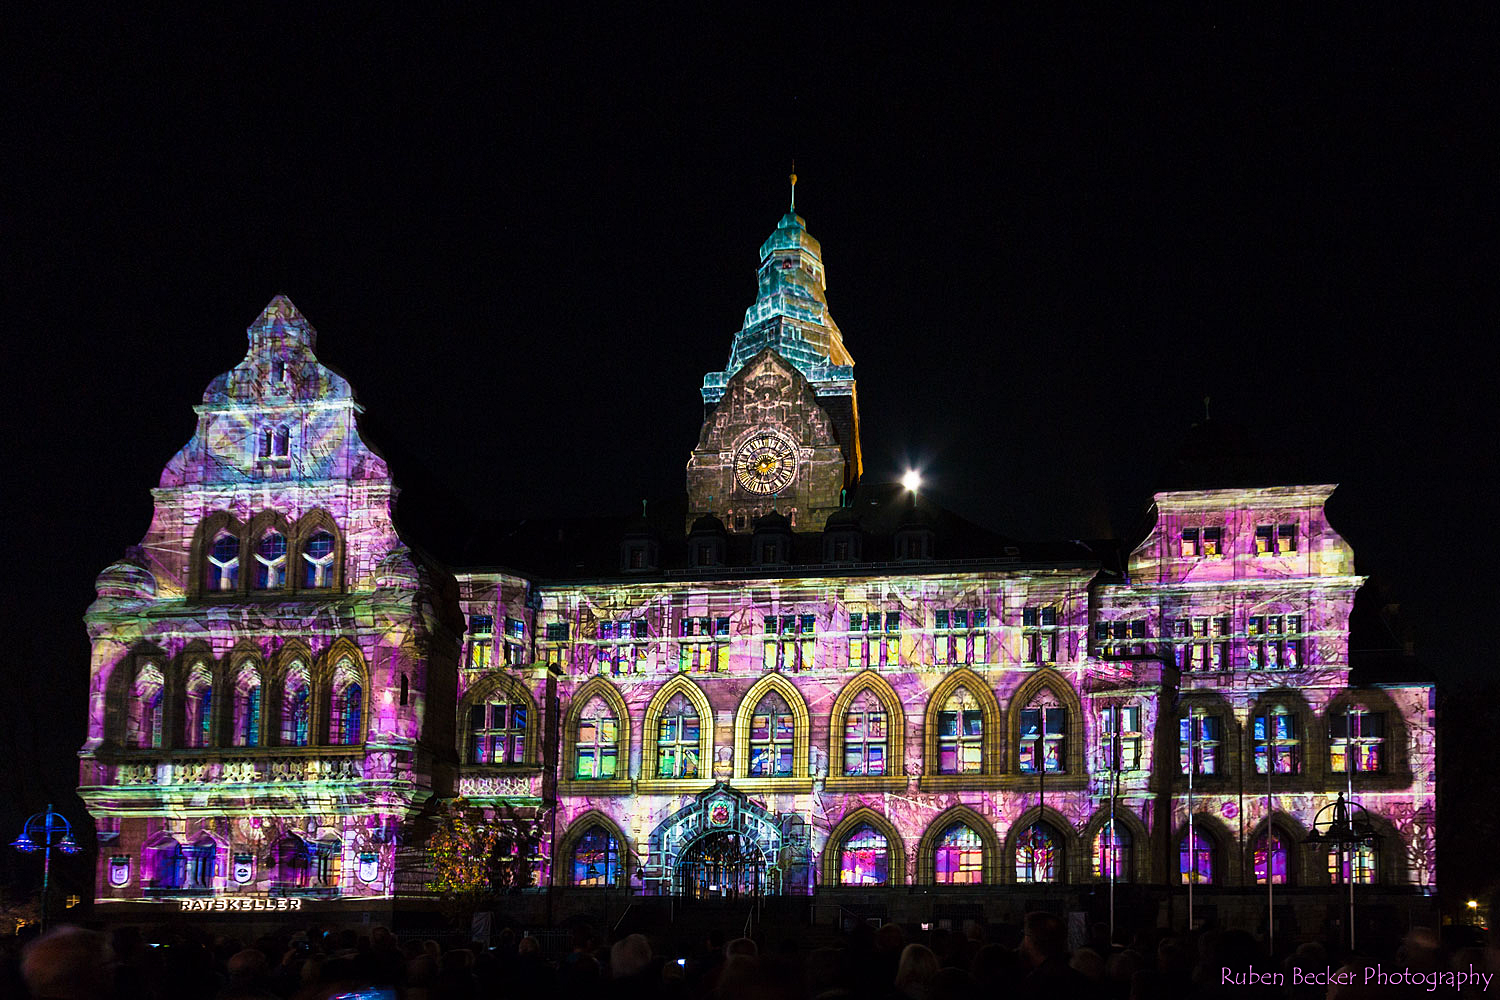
1043	737
1276	743
317	558
1111	854
1356	740
865	737
1199	738
1196	858
270	561
598	742
959	858
223	569
497	733
1271	854
677	740
960	735
1038	854
865	858
596	859
771	738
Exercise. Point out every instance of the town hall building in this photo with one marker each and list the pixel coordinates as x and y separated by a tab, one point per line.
794	683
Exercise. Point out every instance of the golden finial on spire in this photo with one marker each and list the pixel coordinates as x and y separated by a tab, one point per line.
793	179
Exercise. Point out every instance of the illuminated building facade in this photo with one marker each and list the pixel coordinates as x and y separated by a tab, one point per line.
821	686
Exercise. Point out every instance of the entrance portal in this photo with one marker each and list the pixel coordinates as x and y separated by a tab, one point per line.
722	865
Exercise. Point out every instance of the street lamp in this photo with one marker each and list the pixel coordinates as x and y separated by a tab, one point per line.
42	832
1345	827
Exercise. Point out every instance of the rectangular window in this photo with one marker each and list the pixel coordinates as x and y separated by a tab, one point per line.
557	631
515	640
1356	741
1200	737
1213	543
1202	643
703	645
623	647
960	741
1276	744
960	636
874	639
1274	642
789	642
1120	737
1275	539
1039	634
1120	638
1286	538
481	642
1190	548
1043	738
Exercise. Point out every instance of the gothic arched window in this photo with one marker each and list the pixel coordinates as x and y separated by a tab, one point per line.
772	738
222	569
1270	856
270	561
348	714
1111	855
598	742
959	856
146	709
596	858
247	708
677	740
1195	853
317	560
1038	854
865	736
961	735
865	858
296	708
197	725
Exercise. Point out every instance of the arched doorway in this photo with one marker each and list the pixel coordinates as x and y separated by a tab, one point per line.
722	865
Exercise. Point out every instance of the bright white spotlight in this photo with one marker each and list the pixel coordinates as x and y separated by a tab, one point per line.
912	480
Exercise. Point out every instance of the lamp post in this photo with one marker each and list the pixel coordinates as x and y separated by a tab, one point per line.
42	832
1345	827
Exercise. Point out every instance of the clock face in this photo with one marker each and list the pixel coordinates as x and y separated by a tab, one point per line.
766	463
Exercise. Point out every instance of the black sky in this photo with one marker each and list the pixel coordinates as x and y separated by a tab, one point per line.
525	237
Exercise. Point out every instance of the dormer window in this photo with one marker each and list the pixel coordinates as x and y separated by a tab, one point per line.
1205	542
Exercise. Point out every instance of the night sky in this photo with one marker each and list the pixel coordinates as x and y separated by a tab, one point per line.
525	238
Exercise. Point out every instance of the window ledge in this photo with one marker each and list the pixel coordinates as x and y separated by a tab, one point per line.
867	783
595	786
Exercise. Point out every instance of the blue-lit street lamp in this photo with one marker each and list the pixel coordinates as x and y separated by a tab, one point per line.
42	832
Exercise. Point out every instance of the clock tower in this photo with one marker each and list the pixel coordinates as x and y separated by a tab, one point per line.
781	421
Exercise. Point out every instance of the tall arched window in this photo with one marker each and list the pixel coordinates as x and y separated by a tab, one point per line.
771	738
678	733
596	858
598	742
960	735
1196	857
146	709
865	736
296	707
865	858
1038	853
497	731
198	713
270	561
348	714
1111	855
247	708
317	560
1270	857
1043	736
283	442
222	571
959	856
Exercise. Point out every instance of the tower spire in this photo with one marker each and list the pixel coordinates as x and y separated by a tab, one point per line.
793	179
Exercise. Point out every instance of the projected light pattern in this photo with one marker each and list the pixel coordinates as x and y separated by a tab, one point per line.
267	660
272	573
